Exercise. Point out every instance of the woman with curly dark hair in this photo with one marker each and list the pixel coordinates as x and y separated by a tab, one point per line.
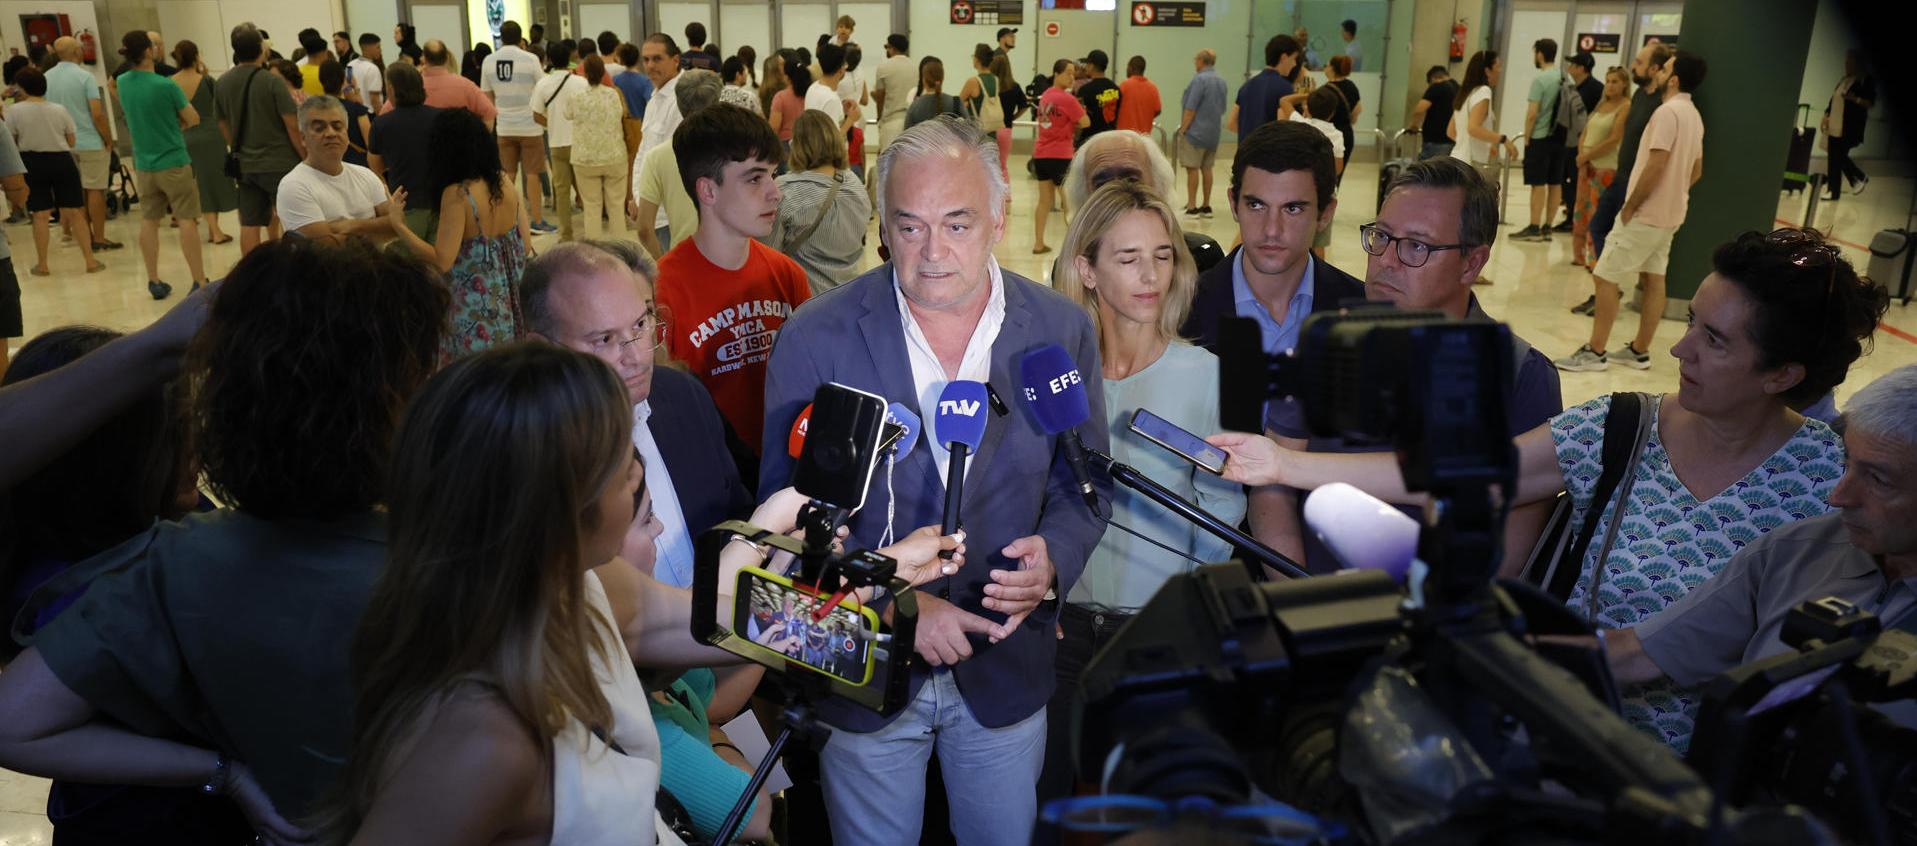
212	653
1775	326
483	239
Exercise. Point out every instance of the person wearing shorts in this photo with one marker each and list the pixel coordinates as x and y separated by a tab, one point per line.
73	86
252	97
1060	116
157	113
509	75
44	132
12	325
1545	161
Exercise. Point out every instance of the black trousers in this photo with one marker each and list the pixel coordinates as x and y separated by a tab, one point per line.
1841	165
1087	630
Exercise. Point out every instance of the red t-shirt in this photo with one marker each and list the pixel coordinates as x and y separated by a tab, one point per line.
723	323
1058	114
1137	104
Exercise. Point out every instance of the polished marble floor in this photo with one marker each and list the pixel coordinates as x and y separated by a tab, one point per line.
1536	286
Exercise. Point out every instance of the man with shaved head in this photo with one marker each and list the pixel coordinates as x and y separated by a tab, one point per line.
446	89
1198	131
71	85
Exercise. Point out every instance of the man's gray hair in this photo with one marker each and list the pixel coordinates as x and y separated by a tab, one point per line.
943	135
1887	407
698	90
577	258
1478	221
1156	175
320	103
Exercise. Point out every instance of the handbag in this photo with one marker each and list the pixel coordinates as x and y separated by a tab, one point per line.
239	133
1558	559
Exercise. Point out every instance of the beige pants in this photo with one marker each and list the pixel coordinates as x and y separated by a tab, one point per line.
603	188
562	189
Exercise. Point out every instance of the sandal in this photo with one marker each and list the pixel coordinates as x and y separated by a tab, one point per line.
1041	250
223	239
39	271
97	267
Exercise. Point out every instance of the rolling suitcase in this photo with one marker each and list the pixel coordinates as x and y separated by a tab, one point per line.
1797	164
1391	161
1891	256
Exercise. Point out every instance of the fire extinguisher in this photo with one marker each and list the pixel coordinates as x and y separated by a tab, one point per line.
89	52
1457	41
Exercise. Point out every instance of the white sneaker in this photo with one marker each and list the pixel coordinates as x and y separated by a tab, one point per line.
1630	358
1585	360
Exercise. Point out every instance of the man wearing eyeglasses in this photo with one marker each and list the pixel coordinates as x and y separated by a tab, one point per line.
597	298
1431	239
1282	181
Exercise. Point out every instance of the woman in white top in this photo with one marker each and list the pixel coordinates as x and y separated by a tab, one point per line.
515	487
44	131
824	208
1472	116
599	160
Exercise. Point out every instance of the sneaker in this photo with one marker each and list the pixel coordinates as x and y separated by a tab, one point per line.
158	289
1525	234
1204	211
1191	211
543	227
1562	227
1589	306
1630	357
1584	361
1859	187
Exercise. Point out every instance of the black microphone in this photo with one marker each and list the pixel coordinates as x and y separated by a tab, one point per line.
960	425
1056	393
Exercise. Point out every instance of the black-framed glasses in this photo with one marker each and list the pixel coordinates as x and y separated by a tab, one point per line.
1411	251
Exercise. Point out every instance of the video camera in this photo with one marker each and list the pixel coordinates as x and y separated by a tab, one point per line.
1392	715
1798	727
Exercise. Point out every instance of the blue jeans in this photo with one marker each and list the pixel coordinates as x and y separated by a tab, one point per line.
1434	149
1604	216
875	782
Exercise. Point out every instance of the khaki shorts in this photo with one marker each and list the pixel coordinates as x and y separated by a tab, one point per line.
528	151
95	167
1194	157
173	188
1634	248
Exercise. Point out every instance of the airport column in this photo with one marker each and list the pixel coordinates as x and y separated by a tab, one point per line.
1755	52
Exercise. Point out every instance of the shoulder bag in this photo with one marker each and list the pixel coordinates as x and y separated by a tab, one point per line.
793	239
1559	556
239	131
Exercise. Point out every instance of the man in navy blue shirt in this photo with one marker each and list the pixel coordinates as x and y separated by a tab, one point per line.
1258	98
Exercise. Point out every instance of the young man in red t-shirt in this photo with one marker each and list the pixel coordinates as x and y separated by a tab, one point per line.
727	293
1138	103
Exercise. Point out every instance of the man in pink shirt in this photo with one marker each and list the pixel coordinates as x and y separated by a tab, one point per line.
448	90
1670	159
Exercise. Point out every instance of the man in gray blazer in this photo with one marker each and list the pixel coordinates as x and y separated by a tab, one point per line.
943	310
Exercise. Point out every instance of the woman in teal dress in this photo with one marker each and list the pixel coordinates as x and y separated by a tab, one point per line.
483	241
204	143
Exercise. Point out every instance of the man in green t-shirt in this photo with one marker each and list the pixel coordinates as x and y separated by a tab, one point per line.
157	114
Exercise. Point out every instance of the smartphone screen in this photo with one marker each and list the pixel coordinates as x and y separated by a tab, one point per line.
783	619
1192	448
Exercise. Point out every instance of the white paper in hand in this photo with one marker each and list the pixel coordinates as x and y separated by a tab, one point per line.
751	740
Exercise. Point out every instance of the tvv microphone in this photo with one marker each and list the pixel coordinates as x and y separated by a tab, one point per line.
1056	392
898	415
959	425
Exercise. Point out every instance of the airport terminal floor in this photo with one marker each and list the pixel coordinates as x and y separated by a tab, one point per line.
1535	286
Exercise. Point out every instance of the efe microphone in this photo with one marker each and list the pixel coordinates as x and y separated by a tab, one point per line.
960	425
1056	392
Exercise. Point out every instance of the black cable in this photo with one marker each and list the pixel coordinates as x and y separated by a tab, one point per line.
1121	527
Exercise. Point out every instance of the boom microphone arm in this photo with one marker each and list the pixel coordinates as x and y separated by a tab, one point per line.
1126	475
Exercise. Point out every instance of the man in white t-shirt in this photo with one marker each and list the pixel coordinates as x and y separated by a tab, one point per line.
509	75
824	94
363	74
659	57
549	110
323	197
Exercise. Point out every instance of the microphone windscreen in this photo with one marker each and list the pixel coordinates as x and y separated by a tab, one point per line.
898	413
961	414
1364	532
1053	388
795	442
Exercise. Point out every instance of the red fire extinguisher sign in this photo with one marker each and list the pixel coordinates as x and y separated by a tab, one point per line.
1457	41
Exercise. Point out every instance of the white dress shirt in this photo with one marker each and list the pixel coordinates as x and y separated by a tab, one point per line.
928	375
674	564
662	119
